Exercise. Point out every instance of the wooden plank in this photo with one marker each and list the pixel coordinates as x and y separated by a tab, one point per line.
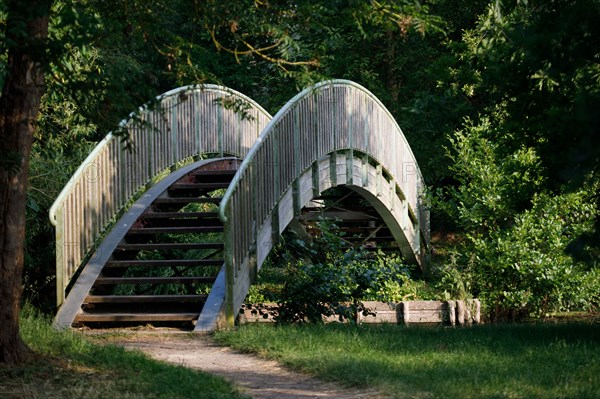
405	306
199	186
176	230
460	312
170	246
163	262
425	316
377	239
220	172
342	215
452	312
179	215
153	280
125	317
212	309
427	305
188	200
144	298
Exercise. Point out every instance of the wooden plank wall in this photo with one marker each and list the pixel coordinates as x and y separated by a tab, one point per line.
407	312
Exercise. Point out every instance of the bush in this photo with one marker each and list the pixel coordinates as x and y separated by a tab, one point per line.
525	270
327	277
517	234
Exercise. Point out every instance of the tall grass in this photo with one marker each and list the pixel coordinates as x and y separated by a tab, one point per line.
70	366
491	361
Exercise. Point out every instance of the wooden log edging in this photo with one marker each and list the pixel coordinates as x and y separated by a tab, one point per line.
455	312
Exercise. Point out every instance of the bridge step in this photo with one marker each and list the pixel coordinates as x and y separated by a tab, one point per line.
153	280
170	246
175	230
164	262
211	175
144	299
179	215
135	317
199	186
188	200
378	239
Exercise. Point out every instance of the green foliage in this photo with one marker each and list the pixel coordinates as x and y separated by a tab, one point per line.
524	269
525	164
492	185
539	59
327	277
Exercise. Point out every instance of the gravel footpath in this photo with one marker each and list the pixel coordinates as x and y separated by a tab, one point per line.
255	376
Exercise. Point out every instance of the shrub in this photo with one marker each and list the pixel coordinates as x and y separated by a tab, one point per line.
327	277
514	257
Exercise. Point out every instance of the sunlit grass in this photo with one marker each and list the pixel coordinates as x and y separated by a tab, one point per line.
70	366
491	361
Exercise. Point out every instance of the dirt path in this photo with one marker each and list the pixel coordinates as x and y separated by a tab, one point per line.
257	377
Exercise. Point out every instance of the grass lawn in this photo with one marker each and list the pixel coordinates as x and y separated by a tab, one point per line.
70	366
488	361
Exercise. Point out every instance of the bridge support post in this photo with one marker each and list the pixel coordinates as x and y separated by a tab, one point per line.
350	166
365	171
275	225
333	168
316	189
229	276
60	259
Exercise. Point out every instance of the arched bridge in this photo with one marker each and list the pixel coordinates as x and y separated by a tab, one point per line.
172	228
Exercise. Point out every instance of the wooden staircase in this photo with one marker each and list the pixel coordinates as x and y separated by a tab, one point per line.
358	221
162	271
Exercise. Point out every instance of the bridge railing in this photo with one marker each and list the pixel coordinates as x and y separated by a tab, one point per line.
179	125
331	116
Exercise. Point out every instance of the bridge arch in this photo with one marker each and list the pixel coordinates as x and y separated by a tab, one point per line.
334	133
177	128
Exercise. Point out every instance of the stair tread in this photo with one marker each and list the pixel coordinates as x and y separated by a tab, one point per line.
108	317
359	238
179	215
188	200
152	280
174	229
199	186
165	246
163	262
220	172
143	298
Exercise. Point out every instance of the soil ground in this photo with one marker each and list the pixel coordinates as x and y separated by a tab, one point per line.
257	377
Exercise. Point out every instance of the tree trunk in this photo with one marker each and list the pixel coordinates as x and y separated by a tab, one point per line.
26	36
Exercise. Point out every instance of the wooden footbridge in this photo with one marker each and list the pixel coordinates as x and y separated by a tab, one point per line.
171	225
